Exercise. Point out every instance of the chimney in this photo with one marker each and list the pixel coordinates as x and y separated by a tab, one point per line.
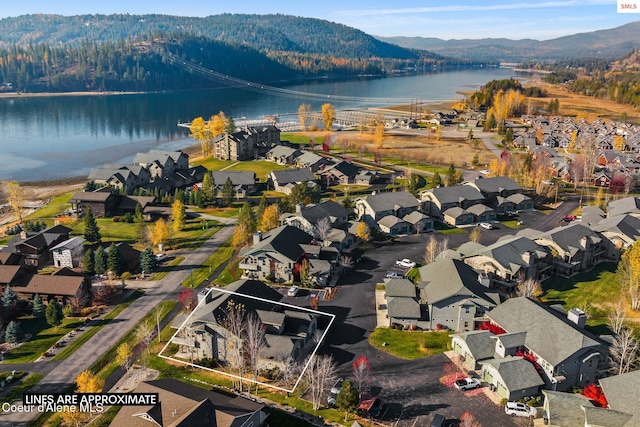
577	316
526	257
584	242
23	234
484	280
257	237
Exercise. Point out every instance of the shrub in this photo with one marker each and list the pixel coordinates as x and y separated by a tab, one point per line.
504	401
68	310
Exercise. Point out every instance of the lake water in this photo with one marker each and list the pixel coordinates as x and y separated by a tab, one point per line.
63	136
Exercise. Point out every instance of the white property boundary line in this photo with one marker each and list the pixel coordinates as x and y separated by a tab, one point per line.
295	307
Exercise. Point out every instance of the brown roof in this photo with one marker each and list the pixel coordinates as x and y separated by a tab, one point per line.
53	285
9	258
8	273
91	196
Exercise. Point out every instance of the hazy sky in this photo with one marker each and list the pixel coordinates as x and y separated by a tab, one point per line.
515	19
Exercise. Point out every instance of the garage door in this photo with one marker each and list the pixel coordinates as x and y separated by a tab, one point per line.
502	391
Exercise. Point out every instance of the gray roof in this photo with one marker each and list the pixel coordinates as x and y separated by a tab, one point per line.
455	212
391	201
390	220
415	217
447	278
623	394
236	177
288	176
282	151
591	215
512	340
455	194
628	225
622	206
495	185
569	237
516	373
552	337
518	198
309	158
400	288
479	209
480	343
509	252
69	244
403	308
285	240
157	155
565	409
328	209
595	416
91	196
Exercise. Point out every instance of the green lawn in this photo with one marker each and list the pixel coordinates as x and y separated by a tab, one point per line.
42	338
200	274
56	206
111	231
164	269
260	167
212	164
409	345
222	212
596	292
24	386
443	228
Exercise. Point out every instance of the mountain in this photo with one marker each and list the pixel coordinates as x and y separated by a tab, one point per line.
606	44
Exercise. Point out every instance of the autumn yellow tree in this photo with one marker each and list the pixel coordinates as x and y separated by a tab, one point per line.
159	232
178	216
303	115
200	132
328	115
16	198
378	135
573	143
619	143
217	124
438	133
270	218
86	382
363	231
241	236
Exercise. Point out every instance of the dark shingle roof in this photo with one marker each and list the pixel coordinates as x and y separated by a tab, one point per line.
622	206
391	201
236	177
290	176
480	343
285	240
517	373
623	394
456	194
400	288
328	209
495	185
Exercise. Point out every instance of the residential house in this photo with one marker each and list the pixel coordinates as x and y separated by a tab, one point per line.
575	247
373	208
508	259
420	223
185	405
512	377
521	201
602	179
572	409
34	247
307	217
341	172
244	182
393	226
496	186
626	205
619	231
120	177
311	160
247	144
275	255
482	213
101	203
454	296
11	275
283	181
403	304
283	155
68	253
438	200
564	352
162	164
287	333
64	286
623	395
473	346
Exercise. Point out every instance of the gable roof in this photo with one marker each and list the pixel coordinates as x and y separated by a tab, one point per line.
285	240
623	394
290	176
624	205
595	416
480	343
415	217
403	308
496	184
552	337
508	252
69	244
236	177
625	224
282	151
565	409
447	277
455	194
516	373
391	201
8	273
328	209
55	284
400	288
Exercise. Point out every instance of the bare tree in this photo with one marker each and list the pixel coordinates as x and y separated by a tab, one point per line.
475	234
254	343
16	196
322	230
234	322
320	374
144	334
361	373
157	315
289	372
616	318
624	352
345	261
434	248
529	287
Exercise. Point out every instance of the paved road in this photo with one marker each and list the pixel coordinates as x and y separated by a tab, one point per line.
67	370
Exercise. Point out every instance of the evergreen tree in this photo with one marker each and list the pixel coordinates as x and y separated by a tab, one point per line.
100	261
348	398
138	216
247	218
285	205
13	334
91	229
230	125
148	260
9	299
436	181
88	262
38	306
227	193
114	260
262	206
53	313
452	176
208	188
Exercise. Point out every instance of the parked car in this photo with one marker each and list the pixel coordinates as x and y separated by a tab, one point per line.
394	275
467	384
405	263
331	400
517	409
293	291
569	218
486	225
438	420
161	257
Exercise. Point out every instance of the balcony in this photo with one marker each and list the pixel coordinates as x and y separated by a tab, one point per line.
248	266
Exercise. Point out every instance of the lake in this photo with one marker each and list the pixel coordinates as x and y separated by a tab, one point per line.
63	136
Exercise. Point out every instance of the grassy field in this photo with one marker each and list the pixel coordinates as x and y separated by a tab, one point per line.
17	391
164	269
409	345
200	274
212	164
260	167
595	292
56	206
443	228
221	212
42	338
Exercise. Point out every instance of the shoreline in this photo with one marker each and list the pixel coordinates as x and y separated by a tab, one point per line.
56	94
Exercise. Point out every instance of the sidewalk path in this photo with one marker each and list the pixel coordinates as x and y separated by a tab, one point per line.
66	371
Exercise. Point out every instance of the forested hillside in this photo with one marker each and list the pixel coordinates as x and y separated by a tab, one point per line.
116	52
